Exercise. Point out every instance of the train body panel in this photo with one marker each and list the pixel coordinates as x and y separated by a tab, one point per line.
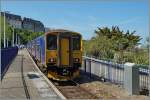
40	49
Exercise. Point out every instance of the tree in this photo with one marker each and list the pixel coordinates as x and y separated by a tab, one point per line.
111	43
8	30
27	35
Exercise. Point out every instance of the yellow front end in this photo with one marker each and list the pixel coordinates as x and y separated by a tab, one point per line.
53	68
51	57
51	62
62	62
77	60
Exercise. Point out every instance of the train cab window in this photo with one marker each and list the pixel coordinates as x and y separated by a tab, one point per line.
51	42
76	42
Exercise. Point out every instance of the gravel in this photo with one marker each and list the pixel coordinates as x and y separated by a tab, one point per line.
107	90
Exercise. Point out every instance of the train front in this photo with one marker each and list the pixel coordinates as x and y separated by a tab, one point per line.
63	55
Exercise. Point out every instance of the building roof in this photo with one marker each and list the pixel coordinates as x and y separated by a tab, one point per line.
11	16
32	21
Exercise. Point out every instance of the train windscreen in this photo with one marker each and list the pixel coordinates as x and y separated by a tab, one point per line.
51	42
76	42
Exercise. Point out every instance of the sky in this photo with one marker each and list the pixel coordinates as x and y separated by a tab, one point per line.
85	16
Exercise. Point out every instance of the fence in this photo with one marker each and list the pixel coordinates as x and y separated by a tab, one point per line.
144	78
7	55
111	71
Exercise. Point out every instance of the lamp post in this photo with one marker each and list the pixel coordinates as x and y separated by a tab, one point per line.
7	42
4	31
16	39
13	36
19	40
5	28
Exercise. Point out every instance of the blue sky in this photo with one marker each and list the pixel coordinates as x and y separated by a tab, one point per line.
85	16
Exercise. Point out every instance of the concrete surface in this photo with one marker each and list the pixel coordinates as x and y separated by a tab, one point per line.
23	81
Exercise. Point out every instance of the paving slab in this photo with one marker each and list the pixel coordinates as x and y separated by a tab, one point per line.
23	81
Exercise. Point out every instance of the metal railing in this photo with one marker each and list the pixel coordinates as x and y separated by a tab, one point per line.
144	78
112	72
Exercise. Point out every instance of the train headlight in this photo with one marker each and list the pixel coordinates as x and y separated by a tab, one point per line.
76	59
52	60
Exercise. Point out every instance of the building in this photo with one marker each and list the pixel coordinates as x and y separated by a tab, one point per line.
32	25
27	23
39	27
13	20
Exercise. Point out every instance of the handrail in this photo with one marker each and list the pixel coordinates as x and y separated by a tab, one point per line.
113	64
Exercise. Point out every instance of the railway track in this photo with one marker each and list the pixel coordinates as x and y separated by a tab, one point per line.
72	90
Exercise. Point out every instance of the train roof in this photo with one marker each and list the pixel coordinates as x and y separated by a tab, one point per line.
56	31
60	31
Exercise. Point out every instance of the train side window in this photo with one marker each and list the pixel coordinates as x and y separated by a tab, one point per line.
51	42
76	43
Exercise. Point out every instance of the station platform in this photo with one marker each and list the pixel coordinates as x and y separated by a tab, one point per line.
23	81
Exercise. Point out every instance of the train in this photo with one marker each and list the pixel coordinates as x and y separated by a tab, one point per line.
60	52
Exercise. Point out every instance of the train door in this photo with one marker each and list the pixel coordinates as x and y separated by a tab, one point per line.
64	51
